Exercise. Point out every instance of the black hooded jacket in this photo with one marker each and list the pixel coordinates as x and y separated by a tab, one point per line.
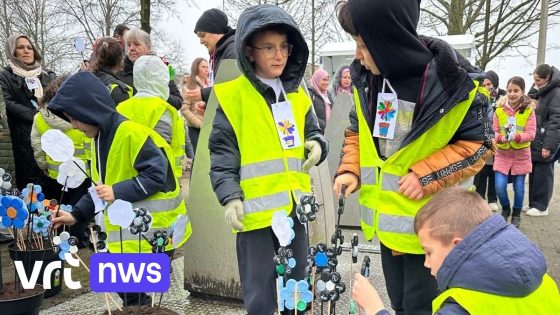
548	119
225	156
426	72
225	49
120	92
84	98
127	76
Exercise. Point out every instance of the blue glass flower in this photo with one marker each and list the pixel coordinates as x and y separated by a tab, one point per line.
13	212
288	296
33	196
41	225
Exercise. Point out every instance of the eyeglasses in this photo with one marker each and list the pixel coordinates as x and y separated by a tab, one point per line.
270	51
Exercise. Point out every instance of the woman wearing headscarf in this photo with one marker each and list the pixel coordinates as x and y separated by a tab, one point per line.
22	82
322	100
342	81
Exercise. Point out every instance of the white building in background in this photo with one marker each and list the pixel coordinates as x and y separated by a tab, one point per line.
333	55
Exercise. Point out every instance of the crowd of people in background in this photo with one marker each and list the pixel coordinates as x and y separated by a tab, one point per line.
519	134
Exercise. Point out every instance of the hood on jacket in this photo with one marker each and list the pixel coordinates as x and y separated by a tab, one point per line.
54	121
494	258
388	29
151	77
258	17
84	97
552	84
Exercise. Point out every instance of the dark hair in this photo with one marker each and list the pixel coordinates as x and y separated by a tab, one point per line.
345	17
120	29
51	89
279	29
543	71
108	54
191	81
517	81
525	101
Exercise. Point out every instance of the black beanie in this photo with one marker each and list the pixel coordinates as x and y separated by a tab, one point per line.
212	21
493	77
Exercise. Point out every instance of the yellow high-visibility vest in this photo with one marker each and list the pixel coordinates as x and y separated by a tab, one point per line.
520	121
147	111
383	210
164	207
80	140
270	177
544	300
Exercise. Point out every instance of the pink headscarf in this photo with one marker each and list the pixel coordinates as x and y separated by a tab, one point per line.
315	81
340	88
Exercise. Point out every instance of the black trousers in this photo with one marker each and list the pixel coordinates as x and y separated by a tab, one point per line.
194	133
255	252
410	285
541	185
485	179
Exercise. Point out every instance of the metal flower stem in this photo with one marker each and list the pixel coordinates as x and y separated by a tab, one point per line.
161	294
29	218
83	171
120	234
139	252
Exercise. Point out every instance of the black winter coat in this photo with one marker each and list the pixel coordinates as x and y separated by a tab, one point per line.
319	107
20	111
120	92
225	49
225	157
175	98
548	119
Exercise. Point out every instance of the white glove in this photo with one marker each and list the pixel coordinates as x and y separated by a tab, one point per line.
313	156
234	214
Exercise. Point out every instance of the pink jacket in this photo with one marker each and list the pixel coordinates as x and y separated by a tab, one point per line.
516	161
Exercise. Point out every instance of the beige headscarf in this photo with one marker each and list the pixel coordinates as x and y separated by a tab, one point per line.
19	67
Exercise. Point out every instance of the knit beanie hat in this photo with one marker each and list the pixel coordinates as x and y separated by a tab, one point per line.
212	21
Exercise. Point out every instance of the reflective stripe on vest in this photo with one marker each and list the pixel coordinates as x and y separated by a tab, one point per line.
544	300
148	111
393	217
163	207
270	177
521	120
79	139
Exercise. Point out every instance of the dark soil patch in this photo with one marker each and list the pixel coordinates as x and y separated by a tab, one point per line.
10	292
144	310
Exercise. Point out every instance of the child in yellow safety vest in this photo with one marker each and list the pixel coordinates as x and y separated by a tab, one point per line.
43	121
129	162
482	264
515	126
264	139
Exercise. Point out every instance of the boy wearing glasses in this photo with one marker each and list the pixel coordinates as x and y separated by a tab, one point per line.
264	139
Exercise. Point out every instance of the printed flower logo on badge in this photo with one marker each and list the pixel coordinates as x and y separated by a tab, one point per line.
386	110
287	129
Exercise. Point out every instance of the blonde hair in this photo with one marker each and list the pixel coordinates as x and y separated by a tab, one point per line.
453	212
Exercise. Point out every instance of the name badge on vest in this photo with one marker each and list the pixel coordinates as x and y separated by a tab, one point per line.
386	113
511	128
32	83
286	125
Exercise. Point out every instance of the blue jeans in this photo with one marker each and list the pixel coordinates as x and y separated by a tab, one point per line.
518	189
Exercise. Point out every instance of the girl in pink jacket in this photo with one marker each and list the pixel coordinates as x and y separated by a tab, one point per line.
514	125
